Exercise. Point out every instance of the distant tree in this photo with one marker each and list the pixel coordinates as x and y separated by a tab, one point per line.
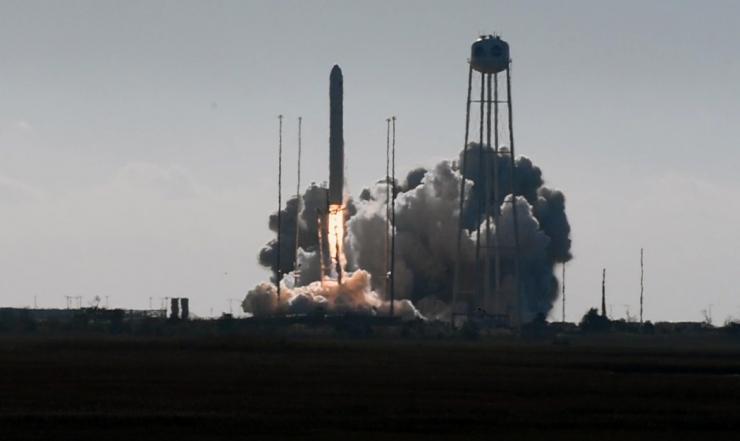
732	326
648	327
592	321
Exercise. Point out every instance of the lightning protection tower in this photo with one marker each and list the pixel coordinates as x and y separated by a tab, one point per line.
489	57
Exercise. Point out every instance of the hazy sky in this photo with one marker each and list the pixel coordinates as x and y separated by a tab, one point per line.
138	139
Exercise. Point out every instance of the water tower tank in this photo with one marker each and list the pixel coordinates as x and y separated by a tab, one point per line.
489	54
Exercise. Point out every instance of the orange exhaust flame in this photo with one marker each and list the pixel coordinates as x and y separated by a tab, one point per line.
335	233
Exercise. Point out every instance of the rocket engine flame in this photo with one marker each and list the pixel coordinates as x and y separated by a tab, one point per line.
335	239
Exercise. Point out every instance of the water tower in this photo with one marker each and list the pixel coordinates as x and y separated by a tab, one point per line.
489	57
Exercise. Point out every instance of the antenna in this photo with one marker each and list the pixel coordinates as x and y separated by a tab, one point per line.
642	280
278	271
296	271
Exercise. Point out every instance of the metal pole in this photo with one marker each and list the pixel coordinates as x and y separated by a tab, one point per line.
387	204
479	199
496	203
487	206
642	282
563	287
278	272
296	271
461	223
393	216
603	292
517	279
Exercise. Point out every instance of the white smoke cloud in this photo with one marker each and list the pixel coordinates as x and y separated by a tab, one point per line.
427	223
426	240
354	295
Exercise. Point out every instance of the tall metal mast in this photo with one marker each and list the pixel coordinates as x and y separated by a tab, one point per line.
279	271
393	215
563	288
603	292
642	282
296	270
387	204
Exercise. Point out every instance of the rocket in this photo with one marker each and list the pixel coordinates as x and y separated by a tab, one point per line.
336	137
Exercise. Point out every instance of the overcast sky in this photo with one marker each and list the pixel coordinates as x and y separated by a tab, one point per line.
138	139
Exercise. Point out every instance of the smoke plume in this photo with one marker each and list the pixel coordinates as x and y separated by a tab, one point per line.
427	216
353	295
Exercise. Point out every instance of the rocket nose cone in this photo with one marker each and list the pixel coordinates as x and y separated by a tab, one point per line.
336	71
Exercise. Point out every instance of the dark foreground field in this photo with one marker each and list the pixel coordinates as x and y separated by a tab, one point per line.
202	389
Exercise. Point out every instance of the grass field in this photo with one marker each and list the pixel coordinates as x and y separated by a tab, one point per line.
109	388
